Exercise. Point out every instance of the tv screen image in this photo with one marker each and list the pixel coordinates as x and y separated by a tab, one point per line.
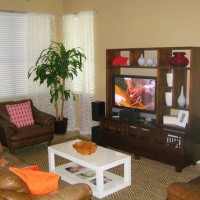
135	92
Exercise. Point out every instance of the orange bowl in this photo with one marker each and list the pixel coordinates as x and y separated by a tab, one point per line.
85	148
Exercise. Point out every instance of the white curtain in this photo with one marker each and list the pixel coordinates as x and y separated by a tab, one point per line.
78	31
22	38
40	32
13	55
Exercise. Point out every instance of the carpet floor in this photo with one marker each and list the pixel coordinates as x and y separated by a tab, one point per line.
150	178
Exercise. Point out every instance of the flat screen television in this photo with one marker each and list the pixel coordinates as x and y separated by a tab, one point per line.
134	92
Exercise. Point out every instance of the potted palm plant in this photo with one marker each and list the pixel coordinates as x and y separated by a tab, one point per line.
54	67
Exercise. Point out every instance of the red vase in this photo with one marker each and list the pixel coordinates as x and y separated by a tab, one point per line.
179	60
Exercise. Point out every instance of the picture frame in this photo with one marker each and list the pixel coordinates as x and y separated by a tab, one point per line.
182	118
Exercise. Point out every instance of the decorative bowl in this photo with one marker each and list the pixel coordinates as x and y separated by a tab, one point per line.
85	148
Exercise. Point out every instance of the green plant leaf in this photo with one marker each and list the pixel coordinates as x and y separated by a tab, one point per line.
54	65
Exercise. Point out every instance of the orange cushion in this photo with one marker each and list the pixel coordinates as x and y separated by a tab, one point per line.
34	167
39	183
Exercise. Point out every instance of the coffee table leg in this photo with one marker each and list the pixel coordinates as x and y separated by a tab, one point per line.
127	170
51	158
99	182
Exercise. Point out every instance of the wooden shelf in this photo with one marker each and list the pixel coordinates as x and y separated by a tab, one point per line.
182	76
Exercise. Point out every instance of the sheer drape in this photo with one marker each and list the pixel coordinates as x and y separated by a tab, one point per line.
79	32
40	32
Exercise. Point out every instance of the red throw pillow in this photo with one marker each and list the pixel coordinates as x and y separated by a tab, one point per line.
39	183
20	114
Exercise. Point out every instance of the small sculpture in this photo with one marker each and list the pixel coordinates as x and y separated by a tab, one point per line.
120	61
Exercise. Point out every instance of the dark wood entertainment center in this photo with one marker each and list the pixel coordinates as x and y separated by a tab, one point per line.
169	144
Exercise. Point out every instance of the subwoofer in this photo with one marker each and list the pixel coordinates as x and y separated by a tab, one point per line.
98	110
96	134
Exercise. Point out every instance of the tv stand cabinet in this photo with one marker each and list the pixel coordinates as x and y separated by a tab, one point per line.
151	141
169	144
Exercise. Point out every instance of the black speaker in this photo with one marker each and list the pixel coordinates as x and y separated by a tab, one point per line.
96	134
98	110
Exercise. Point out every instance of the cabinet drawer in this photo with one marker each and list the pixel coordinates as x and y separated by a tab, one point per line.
139	133
156	136
113	127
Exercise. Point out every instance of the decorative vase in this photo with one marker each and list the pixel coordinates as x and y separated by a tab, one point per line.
141	60
155	61
181	98
179	60
168	98
169	79
149	61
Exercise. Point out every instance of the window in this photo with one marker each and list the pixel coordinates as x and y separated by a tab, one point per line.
22	38
13	55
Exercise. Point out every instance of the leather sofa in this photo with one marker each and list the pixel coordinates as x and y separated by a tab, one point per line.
184	191
14	188
14	138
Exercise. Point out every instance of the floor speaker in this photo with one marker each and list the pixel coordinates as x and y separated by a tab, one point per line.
98	110
96	134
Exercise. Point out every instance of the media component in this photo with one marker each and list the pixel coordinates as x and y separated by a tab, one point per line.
134	92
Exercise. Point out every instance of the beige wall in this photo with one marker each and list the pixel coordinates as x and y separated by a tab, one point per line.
139	23
48	6
43	6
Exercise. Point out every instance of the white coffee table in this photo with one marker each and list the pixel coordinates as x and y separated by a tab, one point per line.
91	169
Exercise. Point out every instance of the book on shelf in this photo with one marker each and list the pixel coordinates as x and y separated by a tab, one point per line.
87	174
173	140
170	119
75	169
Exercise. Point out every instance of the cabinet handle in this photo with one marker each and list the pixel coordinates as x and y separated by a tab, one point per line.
132	127
144	129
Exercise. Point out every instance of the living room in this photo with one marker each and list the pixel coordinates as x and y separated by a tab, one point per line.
123	24
137	24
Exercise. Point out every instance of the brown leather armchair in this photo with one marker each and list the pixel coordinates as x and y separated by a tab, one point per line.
14	138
